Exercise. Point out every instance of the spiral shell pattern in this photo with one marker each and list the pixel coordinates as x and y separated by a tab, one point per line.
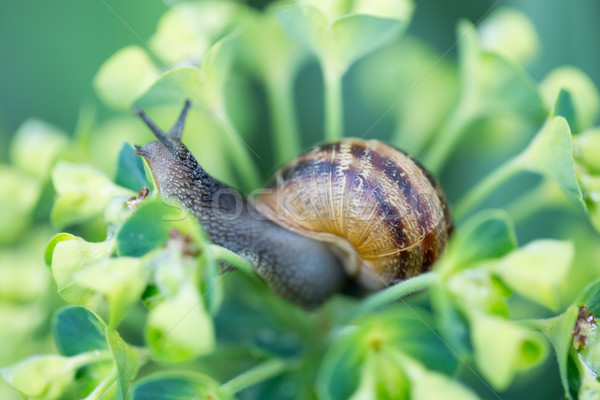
381	212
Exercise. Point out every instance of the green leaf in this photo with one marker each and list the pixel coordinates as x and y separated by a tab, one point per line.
128	362
271	326
151	223
204	86
584	94
179	328
125	76
77	330
589	357
550	154
71	255
503	348
148	228
304	23
396	329
119	280
449	321
341	36
130	171
591	186
559	331
211	287
510	33
59	237
488	234
35	147
590	297
98	381
587	150
178	386
18	197
590	389
83	193
353	36
563	107
41	377
170	271
475	290
491	84
427	385
536	270
186	32
383	378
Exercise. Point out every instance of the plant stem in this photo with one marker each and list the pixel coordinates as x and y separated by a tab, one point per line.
446	140
239	155
333	103
236	260
245	166
393	293
84	127
107	383
257	374
486	186
283	118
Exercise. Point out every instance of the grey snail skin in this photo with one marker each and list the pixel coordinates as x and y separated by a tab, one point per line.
349	210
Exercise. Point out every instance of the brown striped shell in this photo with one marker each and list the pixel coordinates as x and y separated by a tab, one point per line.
384	215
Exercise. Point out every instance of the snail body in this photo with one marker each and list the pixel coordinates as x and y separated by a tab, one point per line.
382	213
351	209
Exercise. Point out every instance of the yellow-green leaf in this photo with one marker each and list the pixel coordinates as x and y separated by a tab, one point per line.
550	154
124	76
118	280
340	33
587	149
72	255
583	91
504	348
186	31
427	385
41	377
179	329
510	33
536	270
83	193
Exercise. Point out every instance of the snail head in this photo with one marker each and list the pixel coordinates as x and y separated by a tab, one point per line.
168	158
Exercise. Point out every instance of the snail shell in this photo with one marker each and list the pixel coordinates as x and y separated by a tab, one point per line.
380	211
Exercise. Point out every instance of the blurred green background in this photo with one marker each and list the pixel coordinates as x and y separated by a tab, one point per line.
50	50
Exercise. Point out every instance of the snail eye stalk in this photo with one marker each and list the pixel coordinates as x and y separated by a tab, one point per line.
172	139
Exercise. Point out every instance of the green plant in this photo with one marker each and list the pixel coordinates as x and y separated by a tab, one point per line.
150	315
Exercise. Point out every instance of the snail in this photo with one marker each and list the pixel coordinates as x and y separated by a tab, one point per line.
348	211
